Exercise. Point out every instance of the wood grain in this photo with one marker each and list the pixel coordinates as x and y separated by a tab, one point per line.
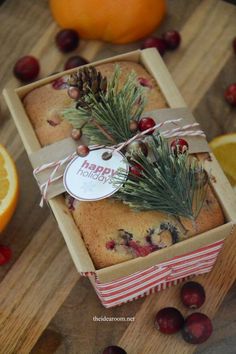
27	302
216	284
50	340
51	61
82	304
202	58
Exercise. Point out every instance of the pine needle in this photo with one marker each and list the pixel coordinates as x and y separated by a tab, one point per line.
113	110
168	183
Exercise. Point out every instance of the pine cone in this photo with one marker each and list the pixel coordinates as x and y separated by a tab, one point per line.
88	80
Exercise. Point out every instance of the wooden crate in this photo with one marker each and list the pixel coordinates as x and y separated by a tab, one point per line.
153	63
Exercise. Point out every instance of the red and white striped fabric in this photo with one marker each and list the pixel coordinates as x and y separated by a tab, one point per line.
157	277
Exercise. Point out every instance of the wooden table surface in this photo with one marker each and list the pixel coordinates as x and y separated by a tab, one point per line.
39	318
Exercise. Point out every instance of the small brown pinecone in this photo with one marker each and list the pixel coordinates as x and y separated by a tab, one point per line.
88	80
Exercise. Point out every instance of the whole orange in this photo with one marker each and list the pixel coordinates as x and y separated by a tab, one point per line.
116	21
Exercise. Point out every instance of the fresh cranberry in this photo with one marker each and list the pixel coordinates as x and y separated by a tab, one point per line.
146	123
155	42
5	254
26	68
230	94
144	82
110	245
60	84
67	40
234	45
74	62
193	295
169	320
136	170
172	39
141	251
197	328
179	146
114	349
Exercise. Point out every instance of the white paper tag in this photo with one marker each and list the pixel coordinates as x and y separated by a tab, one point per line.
90	178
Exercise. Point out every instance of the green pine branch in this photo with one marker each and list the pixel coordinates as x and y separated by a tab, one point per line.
113	110
168	183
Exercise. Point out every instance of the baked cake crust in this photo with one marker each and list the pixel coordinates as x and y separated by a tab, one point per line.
101	221
44	104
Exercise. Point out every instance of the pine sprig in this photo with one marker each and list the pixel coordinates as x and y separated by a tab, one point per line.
168	183
171	183
112	110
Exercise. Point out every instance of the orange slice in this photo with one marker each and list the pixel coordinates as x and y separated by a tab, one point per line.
9	187
224	149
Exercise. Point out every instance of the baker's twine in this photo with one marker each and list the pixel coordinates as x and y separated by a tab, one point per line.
186	130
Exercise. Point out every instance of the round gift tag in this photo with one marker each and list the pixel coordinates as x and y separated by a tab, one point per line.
90	178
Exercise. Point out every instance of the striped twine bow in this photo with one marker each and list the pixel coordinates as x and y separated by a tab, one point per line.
186	130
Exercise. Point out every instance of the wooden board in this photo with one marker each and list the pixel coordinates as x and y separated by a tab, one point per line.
27	300
30	295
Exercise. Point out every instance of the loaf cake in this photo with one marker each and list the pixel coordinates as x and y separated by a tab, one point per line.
45	103
112	232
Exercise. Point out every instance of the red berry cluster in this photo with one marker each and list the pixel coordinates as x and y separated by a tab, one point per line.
197	327
27	68
178	146
144	124
170	40
68	40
